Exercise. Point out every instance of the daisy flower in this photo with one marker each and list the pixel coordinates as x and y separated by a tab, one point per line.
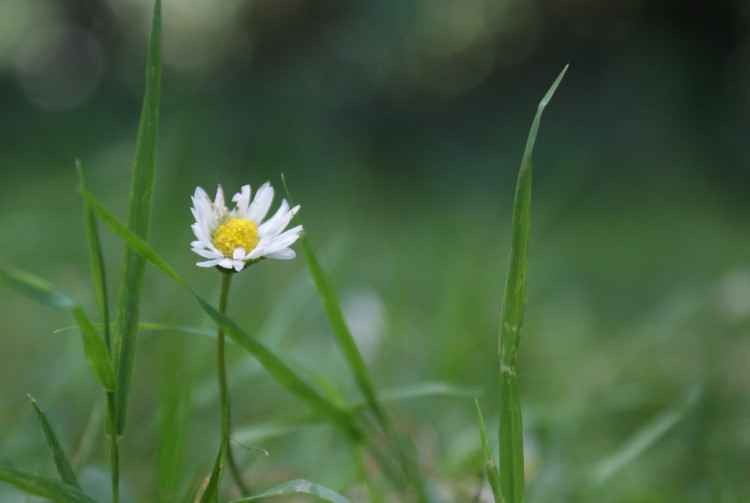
236	238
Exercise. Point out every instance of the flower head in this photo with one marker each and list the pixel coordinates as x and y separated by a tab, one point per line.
236	238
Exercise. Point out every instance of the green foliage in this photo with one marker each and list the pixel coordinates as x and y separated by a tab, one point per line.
64	468
139	219
298	487
512	481
36	288
43	487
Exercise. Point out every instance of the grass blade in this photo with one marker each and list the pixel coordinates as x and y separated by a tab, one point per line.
342	334
511	321
64	469
139	217
43	487
299	486
173	420
98	273
641	441
273	363
211	492
493	475
95	349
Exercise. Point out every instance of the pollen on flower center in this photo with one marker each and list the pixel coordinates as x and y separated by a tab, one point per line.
236	233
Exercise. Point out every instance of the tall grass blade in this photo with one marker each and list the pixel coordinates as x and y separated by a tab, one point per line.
139	217
43	487
95	349
98	273
298	487
273	363
64	469
511	321
493	475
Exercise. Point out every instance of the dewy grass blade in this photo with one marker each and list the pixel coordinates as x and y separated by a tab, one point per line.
139	216
64	468
273	363
97	355
43	487
493	475
511	321
98	273
298	487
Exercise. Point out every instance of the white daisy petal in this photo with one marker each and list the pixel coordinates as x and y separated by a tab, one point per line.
261	204
242	200
209	263
285	254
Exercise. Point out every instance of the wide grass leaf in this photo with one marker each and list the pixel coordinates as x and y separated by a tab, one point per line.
139	217
273	363
95	349
43	487
299	486
64	468
511	321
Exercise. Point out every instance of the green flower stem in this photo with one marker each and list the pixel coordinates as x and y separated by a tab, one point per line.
114	447
226	280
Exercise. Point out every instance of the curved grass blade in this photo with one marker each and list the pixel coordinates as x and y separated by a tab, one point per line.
493	475
98	273
211	492
95	349
273	363
514	307
298	486
139	217
64	469
43	487
334	313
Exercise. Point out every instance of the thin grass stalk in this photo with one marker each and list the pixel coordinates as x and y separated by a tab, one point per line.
114	446
226	423
514	308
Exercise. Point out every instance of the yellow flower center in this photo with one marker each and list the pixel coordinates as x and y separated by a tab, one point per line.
236	233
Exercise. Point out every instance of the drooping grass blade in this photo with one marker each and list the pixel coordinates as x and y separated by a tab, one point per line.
43	487
139	217
511	321
298	487
274	364
64	469
95	349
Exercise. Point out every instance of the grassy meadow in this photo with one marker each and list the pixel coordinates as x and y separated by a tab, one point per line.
633	363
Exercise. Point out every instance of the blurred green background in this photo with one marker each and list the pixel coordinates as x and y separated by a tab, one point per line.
400	127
